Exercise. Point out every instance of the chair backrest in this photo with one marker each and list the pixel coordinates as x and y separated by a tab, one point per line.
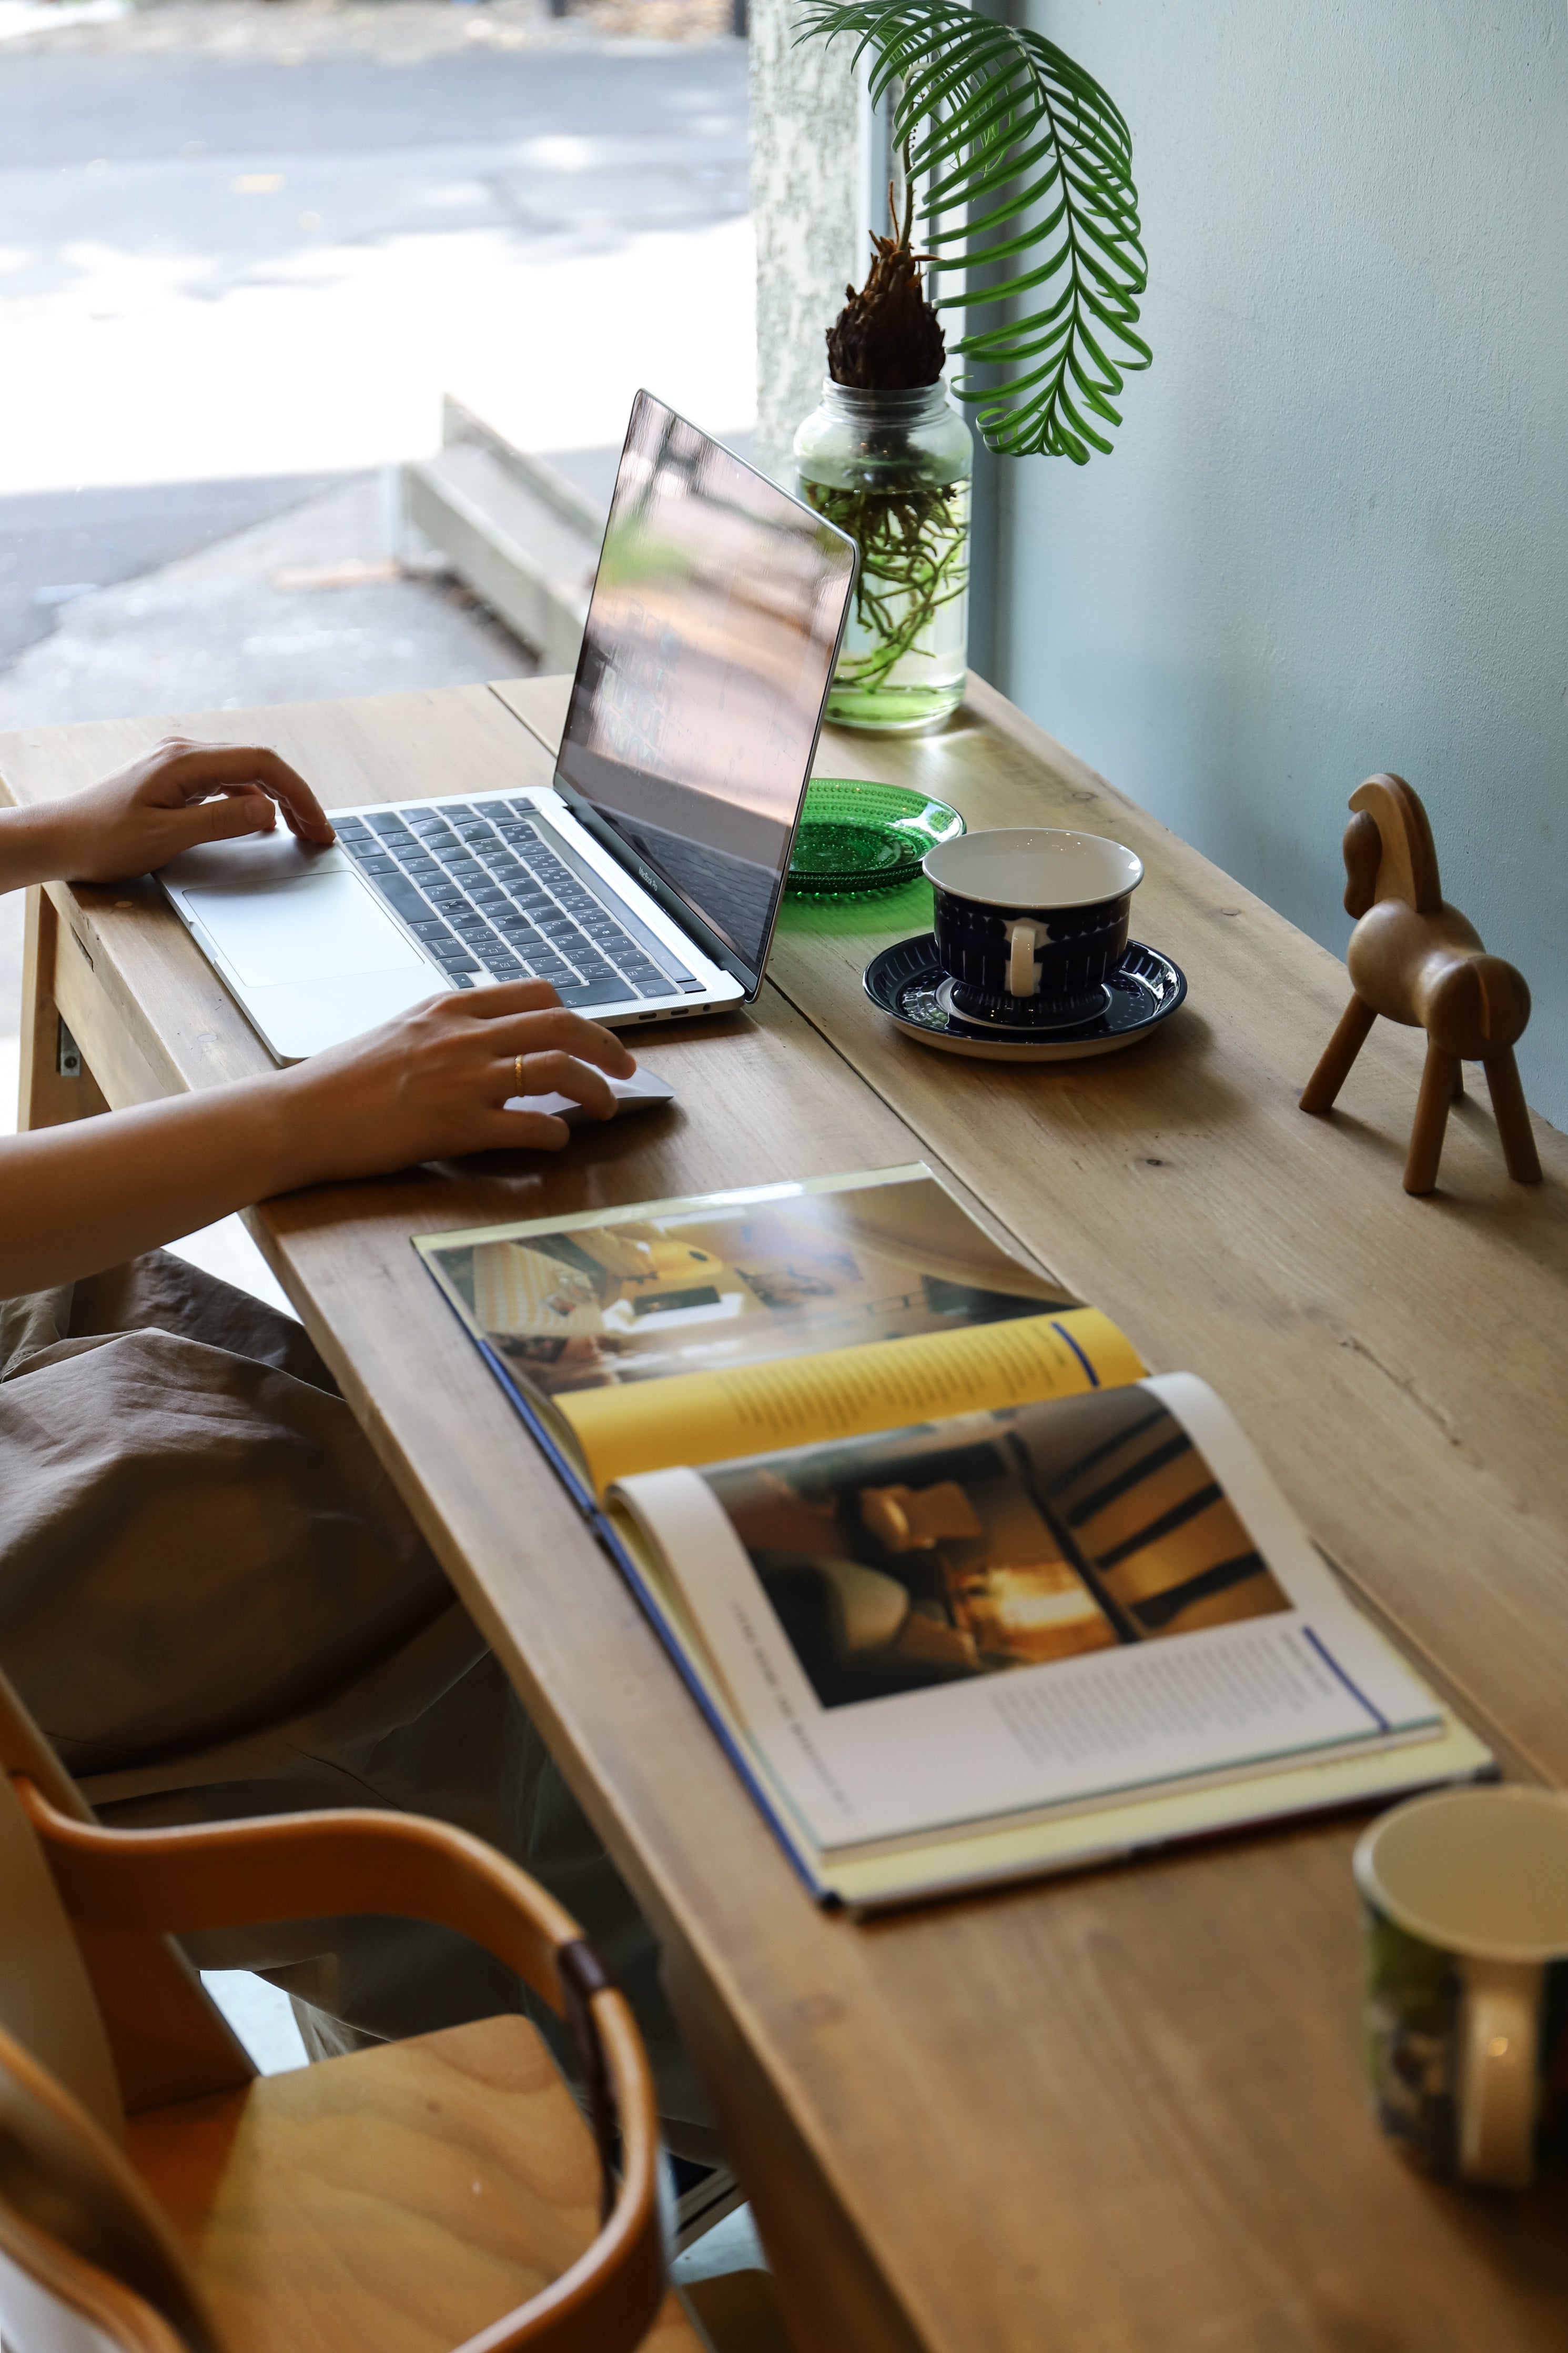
47	2002
156	2031
88	2263
50	2308
113	2277
24	1749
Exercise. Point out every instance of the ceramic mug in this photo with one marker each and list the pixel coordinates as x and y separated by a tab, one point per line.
1465	1897
1030	920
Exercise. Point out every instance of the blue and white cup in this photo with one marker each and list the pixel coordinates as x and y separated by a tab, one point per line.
1466	1896
1030	922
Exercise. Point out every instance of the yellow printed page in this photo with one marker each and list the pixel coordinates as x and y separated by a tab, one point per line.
697	1418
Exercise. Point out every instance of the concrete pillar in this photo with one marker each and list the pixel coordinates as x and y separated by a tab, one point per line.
820	162
814	150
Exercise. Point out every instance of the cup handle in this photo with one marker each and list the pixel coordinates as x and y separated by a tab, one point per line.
1023	972
1497	2056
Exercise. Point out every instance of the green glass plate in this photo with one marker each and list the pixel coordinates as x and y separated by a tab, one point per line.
856	837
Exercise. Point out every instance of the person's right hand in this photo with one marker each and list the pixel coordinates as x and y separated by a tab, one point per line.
428	1086
434	1083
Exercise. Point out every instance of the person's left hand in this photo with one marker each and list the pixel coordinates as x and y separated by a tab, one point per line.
180	795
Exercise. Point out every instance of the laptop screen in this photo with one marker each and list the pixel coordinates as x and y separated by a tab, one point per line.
705	657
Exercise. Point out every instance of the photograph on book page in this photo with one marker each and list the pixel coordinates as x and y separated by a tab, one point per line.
1051	1605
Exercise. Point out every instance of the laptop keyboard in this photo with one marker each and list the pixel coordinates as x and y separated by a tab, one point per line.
490	898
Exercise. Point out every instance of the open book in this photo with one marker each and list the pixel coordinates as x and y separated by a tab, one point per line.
964	1593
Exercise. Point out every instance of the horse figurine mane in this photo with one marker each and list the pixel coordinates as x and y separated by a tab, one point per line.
1389	851
1415	960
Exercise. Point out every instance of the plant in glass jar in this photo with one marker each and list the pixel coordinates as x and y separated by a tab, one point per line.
1024	169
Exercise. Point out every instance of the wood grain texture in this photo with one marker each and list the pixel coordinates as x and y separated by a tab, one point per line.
403	2199
288	2212
1119	2112
1414	1346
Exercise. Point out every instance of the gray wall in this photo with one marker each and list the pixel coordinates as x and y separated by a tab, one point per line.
1334	535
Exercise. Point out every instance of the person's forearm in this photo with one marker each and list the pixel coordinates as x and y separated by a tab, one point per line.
94	1192
434	1083
30	848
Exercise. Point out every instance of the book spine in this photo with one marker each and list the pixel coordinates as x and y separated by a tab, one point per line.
587	1504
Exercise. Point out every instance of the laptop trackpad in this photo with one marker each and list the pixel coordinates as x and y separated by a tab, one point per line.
318	927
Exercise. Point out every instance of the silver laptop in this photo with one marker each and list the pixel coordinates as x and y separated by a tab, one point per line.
645	886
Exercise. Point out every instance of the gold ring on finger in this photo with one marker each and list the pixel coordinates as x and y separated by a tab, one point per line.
517	1066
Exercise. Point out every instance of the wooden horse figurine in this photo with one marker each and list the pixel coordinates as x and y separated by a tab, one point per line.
1417	961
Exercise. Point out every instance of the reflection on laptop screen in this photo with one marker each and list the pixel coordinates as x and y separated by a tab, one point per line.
705	661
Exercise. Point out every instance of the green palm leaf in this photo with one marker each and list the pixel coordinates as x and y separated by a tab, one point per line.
1005	132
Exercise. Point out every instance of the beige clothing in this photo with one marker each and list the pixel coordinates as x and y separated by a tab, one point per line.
214	1604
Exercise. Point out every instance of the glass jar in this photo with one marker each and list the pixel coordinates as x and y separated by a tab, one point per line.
892	469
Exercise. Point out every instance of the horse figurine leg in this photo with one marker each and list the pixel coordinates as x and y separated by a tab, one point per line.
1431	1119
1519	1155
1334	1064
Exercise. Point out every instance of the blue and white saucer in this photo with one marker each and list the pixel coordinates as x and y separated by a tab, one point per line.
909	986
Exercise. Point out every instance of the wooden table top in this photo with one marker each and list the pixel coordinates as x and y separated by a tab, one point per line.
1106	2114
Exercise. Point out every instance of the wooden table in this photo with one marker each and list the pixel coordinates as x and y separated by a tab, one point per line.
1106	2115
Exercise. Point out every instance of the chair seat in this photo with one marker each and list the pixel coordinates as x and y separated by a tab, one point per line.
401	2198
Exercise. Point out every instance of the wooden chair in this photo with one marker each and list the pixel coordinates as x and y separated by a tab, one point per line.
156	2196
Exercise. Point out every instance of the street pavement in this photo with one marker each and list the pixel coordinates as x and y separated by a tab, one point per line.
243	261
56	545
245	245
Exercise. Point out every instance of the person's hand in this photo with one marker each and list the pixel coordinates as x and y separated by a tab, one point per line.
430	1086
180	795
434	1083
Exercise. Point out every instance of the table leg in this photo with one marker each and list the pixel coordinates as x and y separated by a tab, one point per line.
830	2294
45	1097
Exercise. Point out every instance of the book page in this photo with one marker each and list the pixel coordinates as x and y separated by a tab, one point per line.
1029	1842
1056	1605
1071	1840
712	1417
684	1331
